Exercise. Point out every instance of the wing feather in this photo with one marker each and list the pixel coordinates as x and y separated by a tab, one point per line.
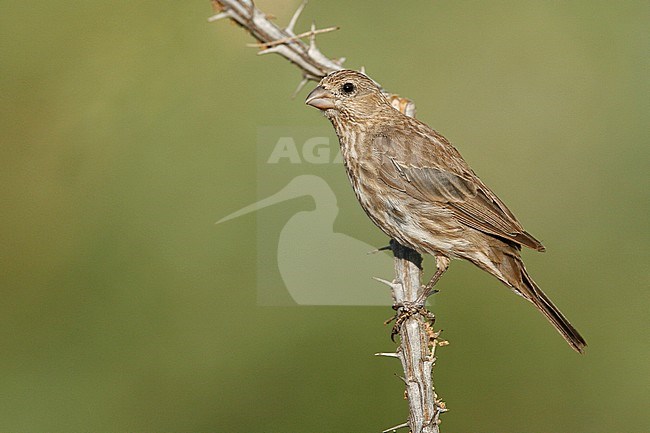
444	177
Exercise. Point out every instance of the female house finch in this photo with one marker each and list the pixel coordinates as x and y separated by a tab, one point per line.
417	188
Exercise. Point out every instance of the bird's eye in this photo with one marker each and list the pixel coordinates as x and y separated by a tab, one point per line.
347	88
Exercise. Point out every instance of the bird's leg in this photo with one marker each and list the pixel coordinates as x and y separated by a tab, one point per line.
442	264
403	312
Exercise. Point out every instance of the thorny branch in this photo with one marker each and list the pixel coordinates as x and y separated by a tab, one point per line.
418	339
271	38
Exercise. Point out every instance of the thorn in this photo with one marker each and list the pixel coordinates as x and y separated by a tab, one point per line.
340	61
395	428
294	18
363	70
312	34
302	84
403	379
388	354
220	15
312	29
312	37
386	248
381	280
269	50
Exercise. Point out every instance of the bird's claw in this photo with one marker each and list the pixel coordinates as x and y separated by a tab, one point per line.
404	312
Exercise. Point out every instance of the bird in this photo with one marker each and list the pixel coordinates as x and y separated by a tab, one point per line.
417	188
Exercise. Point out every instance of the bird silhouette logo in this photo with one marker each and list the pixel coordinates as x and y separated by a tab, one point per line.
319	266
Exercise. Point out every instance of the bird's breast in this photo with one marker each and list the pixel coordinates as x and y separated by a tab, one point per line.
425	227
374	195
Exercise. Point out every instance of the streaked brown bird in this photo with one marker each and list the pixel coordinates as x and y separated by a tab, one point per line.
417	188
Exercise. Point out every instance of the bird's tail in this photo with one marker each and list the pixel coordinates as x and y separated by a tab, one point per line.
525	286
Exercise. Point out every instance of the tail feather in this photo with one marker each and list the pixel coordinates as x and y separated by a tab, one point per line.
544	304
514	274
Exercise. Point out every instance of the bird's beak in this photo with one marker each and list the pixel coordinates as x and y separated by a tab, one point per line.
320	98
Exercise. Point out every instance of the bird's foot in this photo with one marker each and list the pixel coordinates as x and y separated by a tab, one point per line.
406	311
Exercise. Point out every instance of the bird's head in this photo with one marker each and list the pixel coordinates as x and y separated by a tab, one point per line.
348	94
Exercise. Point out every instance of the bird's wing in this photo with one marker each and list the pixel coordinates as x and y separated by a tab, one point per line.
439	174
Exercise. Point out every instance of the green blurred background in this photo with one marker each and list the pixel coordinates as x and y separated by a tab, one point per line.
129	128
